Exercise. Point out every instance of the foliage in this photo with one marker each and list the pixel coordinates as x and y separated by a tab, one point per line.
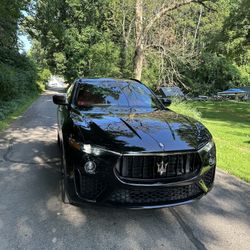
244	71
42	78
17	72
10	14
235	35
198	47
213	73
76	41
17	75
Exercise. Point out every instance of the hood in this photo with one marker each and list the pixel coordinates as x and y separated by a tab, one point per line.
154	131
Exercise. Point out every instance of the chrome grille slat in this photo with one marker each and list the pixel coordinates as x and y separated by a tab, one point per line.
145	167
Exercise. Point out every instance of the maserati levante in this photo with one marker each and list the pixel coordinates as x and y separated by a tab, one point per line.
122	146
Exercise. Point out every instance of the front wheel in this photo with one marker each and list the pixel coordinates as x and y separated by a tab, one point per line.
63	179
58	141
63	191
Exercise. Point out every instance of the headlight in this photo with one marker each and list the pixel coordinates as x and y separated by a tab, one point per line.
208	147
90	149
95	150
208	153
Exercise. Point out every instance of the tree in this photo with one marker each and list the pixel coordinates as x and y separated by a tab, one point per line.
143	28
122	24
235	34
17	72
75	37
161	42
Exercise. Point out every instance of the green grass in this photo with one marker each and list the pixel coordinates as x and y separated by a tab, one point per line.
186	108
229	123
11	110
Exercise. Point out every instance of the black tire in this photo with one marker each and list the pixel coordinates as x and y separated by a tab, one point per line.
63	179
63	191
58	141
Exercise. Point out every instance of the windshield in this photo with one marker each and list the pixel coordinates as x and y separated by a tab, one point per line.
116	93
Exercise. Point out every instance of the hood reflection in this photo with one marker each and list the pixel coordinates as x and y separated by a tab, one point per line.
136	130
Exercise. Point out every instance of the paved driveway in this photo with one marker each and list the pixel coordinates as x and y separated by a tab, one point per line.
33	217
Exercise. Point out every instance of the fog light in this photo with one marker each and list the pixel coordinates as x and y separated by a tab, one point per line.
90	167
212	160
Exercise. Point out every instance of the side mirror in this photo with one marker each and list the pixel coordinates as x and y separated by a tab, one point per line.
166	101
60	100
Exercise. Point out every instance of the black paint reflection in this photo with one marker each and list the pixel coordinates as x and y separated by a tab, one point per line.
142	130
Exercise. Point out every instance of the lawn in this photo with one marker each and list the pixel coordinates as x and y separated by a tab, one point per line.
229	123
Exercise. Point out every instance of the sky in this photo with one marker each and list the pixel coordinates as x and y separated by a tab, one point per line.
26	44
23	38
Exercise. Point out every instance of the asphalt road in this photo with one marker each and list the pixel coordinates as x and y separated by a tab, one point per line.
33	217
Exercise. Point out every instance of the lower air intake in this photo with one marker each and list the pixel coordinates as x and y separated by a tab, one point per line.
90	187
160	195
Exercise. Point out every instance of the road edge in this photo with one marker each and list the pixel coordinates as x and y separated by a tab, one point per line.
20	111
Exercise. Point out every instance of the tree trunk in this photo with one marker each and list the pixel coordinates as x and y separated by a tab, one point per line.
139	52
141	32
197	27
123	60
138	62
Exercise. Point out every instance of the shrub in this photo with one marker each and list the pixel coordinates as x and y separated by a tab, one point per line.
185	108
17	76
43	77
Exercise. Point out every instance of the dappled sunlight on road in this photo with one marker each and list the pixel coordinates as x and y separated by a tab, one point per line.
74	215
33	141
33	148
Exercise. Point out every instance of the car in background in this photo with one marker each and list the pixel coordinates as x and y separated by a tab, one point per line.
121	146
171	93
201	98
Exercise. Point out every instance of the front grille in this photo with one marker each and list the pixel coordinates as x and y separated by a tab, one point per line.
90	187
148	167
160	195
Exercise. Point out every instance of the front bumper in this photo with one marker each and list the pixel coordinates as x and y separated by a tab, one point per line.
112	192
107	188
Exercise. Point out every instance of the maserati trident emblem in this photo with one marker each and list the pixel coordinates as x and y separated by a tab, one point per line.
162	167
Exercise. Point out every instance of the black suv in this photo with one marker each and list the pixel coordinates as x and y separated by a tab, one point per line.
121	146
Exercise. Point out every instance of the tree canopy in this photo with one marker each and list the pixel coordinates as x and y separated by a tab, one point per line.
17	72
200	45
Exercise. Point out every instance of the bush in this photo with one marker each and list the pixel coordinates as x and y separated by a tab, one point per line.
43	77
213	74
17	76
185	108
